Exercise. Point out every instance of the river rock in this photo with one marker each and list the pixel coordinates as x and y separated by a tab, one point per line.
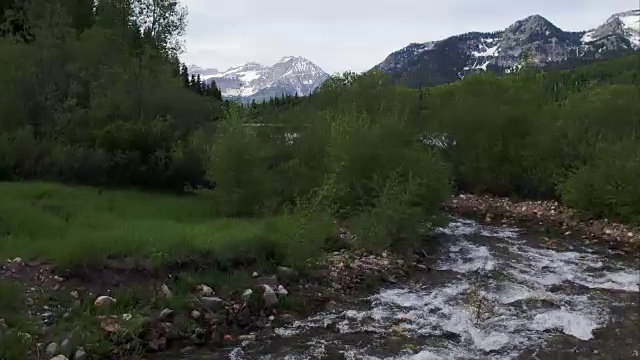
243	317
66	348
165	314
80	354
269	296
271	280
187	350
212	303
247	338
104	302
166	292
333	354
247	294
393	344
52	349
204	291
282	291
195	314
60	357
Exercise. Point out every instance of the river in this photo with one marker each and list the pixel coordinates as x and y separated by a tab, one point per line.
494	293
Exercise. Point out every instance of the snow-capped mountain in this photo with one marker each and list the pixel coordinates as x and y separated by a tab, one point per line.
290	75
447	60
204	73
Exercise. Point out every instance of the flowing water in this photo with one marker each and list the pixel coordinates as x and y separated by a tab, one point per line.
494	293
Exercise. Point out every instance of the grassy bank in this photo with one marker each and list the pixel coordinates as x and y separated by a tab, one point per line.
70	226
127	244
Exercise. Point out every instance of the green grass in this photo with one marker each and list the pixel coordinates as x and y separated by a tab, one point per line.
80	225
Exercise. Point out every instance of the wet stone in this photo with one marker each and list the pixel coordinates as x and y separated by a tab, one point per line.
212	303
66	347
393	345
52	349
80	355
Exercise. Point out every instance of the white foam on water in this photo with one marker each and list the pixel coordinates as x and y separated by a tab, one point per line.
518	306
571	323
464	227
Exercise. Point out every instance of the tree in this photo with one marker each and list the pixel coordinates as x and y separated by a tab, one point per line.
199	85
13	21
184	75
163	20
82	14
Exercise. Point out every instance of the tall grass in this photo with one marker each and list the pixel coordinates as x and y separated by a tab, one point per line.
81	225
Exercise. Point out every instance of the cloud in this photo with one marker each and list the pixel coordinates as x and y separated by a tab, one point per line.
341	35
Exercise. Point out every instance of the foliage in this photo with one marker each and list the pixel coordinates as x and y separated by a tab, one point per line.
607	187
95	97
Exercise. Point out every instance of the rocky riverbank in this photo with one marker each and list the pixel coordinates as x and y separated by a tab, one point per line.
551	216
74	319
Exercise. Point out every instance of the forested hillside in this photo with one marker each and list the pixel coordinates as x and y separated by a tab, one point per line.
97	96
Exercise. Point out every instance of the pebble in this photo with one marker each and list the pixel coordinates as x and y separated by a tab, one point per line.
282	291
270	297
187	350
246	294
195	314
166	292
60	357
393	344
80	355
255	275
204	290
165	313
247	338
66	348
227	338
52	349
74	294
211	303
104	301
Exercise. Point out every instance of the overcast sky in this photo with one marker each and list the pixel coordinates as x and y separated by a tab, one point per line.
341	35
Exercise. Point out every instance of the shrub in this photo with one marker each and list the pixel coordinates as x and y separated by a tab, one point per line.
608	186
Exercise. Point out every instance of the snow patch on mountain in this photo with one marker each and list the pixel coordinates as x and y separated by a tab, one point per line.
290	75
624	24
487	52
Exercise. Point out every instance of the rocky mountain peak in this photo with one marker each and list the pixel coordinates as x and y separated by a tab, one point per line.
625	26
290	75
532	28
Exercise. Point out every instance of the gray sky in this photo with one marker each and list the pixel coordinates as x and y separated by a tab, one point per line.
341	35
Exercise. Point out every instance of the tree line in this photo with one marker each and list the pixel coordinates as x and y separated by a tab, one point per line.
94	93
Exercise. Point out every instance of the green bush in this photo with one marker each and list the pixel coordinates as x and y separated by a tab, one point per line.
608	186
239	168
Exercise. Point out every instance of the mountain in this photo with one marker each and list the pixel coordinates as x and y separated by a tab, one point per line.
438	62
254	81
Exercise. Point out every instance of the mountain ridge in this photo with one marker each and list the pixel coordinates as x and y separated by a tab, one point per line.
502	51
